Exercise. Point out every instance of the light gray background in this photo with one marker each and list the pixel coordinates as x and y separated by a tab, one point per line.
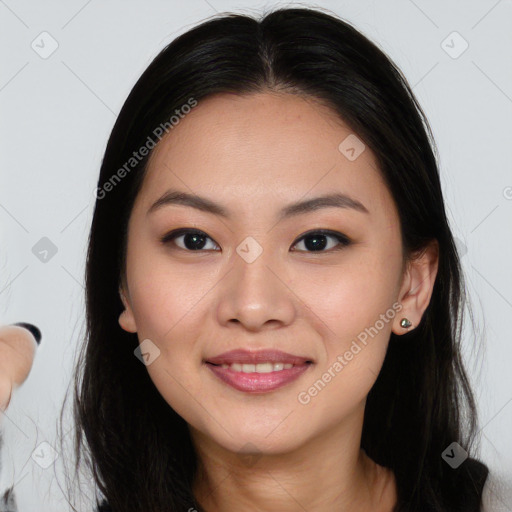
56	116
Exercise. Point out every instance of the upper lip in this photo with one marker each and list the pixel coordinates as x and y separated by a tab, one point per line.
254	357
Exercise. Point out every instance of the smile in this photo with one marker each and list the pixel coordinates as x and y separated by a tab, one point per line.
258	378
258	368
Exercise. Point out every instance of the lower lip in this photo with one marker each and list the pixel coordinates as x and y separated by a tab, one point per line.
258	382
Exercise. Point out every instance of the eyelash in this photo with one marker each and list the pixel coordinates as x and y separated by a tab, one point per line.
342	239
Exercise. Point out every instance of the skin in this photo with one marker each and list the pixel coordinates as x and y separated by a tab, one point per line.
17	351
254	155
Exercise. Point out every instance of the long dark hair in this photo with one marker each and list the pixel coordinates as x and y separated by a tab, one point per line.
138	448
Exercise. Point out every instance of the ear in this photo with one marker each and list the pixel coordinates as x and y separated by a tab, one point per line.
126	318
417	287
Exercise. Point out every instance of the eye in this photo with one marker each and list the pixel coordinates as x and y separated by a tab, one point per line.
316	240
194	240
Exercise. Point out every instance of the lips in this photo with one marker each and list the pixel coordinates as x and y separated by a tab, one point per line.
239	369
254	357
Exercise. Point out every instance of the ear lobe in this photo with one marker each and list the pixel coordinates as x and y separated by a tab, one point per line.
417	286
126	318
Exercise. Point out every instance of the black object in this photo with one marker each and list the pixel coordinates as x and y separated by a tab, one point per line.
103	507
32	328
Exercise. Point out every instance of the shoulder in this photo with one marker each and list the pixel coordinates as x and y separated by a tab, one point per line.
467	486
478	473
460	489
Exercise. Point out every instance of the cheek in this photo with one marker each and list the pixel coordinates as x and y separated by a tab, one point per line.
165	306
164	296
167	303
356	305
352	296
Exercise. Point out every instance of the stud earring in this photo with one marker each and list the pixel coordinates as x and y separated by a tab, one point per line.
405	323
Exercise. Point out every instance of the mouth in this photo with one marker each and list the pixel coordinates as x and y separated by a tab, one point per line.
267	367
258	372
266	356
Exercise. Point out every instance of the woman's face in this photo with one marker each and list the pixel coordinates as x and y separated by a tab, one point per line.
253	282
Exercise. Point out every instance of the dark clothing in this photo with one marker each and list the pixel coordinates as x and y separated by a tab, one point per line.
103	507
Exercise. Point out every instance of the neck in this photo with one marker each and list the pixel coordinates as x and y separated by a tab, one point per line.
330	472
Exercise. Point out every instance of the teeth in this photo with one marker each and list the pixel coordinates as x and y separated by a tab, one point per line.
258	368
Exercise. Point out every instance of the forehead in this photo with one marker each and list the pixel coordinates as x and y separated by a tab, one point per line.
286	146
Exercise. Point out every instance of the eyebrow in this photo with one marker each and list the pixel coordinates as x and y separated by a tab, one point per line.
335	200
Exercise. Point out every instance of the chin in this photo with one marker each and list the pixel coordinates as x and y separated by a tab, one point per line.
259	443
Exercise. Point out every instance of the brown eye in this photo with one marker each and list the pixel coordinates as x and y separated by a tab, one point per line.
315	241
193	240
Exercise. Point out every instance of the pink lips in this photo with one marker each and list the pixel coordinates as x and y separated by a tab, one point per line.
257	382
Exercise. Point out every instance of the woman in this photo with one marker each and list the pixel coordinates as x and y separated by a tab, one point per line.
274	296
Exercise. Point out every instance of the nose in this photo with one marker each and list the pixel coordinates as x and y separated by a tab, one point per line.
256	295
